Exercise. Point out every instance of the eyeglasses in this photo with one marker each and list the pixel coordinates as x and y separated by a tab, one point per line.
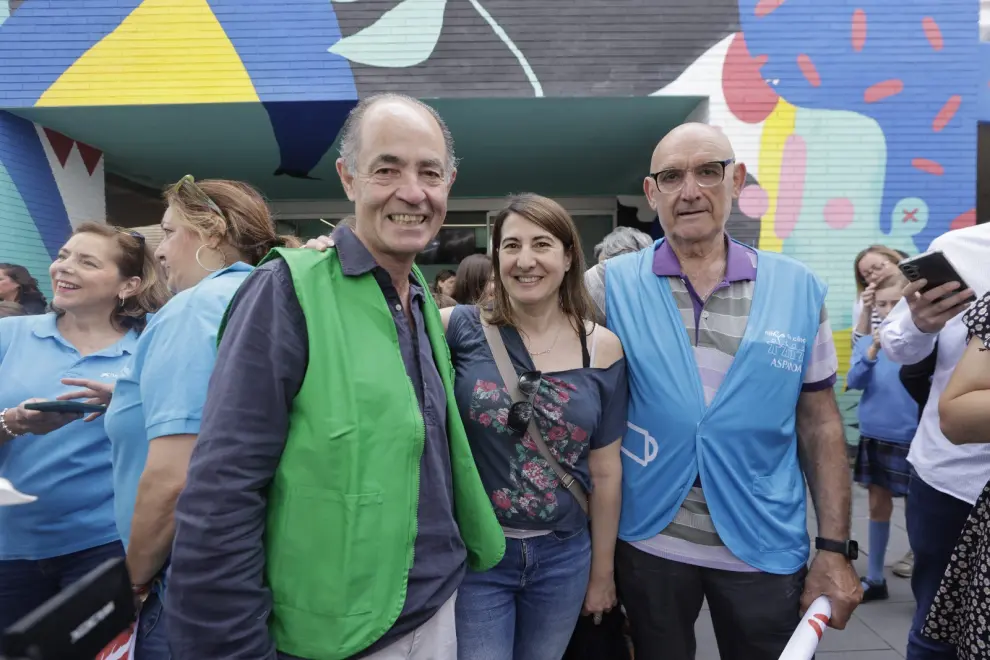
705	175
197	193
521	412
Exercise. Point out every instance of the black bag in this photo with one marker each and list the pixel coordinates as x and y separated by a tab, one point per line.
606	641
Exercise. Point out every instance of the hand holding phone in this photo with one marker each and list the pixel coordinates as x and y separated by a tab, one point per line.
70	407
937	292
23	420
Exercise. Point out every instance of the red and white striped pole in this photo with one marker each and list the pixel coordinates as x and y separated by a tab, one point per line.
809	632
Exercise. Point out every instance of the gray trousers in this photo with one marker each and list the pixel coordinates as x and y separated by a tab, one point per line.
434	640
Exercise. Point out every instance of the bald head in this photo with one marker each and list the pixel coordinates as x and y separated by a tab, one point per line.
687	139
396	108
693	180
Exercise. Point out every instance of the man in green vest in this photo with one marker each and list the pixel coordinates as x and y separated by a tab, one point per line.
332	504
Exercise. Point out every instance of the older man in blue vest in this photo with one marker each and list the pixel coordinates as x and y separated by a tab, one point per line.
731	368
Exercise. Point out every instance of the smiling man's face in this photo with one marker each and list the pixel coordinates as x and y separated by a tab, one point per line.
401	182
689	154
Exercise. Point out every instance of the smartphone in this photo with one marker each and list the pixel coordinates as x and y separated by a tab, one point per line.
66	407
936	269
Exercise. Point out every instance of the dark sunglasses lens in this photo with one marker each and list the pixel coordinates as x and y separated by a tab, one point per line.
519	415
529	382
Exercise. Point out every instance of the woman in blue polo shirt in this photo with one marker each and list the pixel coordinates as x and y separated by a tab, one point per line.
105	283
215	232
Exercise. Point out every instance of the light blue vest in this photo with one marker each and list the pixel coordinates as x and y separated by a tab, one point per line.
744	444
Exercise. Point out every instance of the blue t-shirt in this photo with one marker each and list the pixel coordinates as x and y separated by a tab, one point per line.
886	410
578	410
163	390
67	469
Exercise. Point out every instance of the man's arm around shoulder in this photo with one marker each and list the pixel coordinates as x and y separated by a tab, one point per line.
217	603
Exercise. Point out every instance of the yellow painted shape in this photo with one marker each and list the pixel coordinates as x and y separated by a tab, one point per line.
776	129
843	348
166	51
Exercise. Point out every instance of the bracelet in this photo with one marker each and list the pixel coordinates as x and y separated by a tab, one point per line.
3	424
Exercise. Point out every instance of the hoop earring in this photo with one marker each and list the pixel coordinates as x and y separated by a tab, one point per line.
222	265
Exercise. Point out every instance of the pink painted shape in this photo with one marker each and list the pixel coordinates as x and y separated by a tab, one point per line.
839	213
809	70
858	30
791	190
753	201
967	219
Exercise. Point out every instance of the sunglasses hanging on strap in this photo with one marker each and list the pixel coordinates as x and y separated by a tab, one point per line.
512	382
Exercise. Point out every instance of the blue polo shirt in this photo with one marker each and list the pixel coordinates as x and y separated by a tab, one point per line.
163	390
68	469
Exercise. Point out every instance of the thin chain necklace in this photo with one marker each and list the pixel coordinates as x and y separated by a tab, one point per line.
555	338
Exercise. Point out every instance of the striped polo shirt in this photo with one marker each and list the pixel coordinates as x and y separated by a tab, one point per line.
715	327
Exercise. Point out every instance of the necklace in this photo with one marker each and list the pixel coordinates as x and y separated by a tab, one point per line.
555	337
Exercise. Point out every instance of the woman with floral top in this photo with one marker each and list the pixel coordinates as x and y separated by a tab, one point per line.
527	606
960	612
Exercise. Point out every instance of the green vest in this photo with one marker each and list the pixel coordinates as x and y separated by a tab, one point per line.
342	504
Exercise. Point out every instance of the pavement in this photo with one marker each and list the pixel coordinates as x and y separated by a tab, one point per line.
877	630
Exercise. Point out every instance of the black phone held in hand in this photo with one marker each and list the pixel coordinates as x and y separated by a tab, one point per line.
936	269
66	407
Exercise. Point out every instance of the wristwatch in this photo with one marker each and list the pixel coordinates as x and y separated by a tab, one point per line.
848	549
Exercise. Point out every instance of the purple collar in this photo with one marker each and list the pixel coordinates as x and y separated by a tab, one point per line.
739	262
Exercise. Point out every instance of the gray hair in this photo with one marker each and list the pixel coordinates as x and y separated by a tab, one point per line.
350	141
620	241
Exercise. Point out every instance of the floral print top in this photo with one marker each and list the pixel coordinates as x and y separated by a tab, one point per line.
578	410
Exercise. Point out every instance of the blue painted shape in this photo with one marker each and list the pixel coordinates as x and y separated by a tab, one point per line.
984	82
28	169
305	130
896	48
41	40
284	48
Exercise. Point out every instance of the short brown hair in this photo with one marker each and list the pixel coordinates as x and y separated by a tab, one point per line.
244	220
133	259
552	217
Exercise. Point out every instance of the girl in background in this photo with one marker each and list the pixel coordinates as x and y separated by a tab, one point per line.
888	419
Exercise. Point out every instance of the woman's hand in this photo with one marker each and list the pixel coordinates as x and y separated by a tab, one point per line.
320	243
600	597
21	421
869	296
93	392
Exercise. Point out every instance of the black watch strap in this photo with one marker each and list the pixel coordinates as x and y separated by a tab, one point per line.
848	549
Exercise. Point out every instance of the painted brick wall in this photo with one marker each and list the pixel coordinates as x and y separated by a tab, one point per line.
857	120
42	174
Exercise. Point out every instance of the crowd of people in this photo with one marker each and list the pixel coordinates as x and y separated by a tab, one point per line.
316	453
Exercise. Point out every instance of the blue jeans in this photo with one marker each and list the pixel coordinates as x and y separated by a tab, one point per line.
151	642
527	606
26	584
934	522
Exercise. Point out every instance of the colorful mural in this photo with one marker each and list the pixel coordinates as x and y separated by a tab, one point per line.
857	119
48	183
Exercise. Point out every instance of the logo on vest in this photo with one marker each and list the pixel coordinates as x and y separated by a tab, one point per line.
650	447
786	351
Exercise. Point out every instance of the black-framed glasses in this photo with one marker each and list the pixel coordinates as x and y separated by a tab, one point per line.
189	181
705	175
521	412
